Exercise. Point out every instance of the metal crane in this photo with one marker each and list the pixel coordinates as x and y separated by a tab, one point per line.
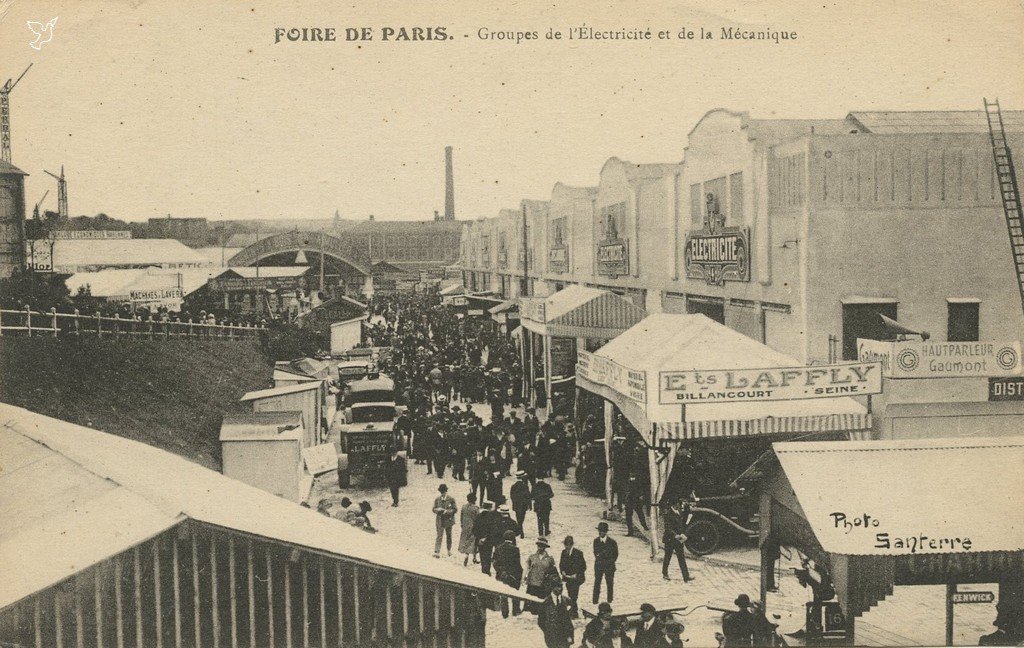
62	192
5	116
35	210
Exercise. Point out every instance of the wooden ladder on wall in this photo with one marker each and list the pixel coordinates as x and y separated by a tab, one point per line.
1006	178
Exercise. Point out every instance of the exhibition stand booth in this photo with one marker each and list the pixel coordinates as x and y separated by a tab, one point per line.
872	515
681	380
570	320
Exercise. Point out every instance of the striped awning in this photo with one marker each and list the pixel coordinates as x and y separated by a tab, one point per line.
708	429
580	312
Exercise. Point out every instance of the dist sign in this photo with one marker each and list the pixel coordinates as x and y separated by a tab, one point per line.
769	384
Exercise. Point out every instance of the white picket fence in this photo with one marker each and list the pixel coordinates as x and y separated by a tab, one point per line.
54	324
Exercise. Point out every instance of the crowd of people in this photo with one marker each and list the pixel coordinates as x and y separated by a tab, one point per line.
441	365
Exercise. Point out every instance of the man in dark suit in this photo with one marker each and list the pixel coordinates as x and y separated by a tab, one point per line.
508	568
395	473
573	566
674	539
606	553
542	496
555	619
520	496
487	535
649	632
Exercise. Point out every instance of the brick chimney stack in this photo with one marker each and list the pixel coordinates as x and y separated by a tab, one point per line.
449	185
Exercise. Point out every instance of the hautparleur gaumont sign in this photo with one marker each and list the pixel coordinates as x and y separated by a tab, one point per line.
917	359
777	383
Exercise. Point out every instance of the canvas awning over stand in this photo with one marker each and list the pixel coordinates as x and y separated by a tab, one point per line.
575	312
627	370
905	488
579	312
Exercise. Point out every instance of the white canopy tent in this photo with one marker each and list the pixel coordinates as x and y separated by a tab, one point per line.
626	371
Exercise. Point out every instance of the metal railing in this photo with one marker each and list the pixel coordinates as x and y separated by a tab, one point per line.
53	324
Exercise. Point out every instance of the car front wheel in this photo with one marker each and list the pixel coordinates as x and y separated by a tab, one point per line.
703	537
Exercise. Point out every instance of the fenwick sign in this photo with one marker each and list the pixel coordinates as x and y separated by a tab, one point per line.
777	383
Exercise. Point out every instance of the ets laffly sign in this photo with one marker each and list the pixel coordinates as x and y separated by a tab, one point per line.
916	359
781	383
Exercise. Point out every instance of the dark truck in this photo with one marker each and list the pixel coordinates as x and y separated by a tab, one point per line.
365	428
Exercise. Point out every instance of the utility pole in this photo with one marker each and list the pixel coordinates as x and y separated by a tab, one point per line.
321	262
257	251
524	289
5	116
62	192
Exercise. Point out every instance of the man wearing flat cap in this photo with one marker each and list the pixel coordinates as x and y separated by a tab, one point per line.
602	630
649	632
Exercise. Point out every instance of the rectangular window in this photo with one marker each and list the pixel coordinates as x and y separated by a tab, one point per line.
696	205
861	320
962	322
736	198
718	188
712	307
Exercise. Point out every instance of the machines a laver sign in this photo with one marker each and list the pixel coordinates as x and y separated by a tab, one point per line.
776	383
628	382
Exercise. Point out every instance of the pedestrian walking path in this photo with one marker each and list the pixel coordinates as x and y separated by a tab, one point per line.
911	616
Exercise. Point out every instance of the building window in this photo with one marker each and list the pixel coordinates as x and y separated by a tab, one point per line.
861	320
718	188
736	198
962	322
712	307
696	205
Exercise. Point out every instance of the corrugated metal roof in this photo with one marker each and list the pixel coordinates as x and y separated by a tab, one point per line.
257	425
283	374
906	486
932	121
154	490
280	391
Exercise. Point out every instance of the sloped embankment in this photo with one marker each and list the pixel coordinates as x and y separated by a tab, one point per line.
171	394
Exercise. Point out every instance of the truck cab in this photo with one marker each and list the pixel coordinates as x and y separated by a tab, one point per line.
364	429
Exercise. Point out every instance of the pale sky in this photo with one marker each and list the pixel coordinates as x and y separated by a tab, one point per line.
189	108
